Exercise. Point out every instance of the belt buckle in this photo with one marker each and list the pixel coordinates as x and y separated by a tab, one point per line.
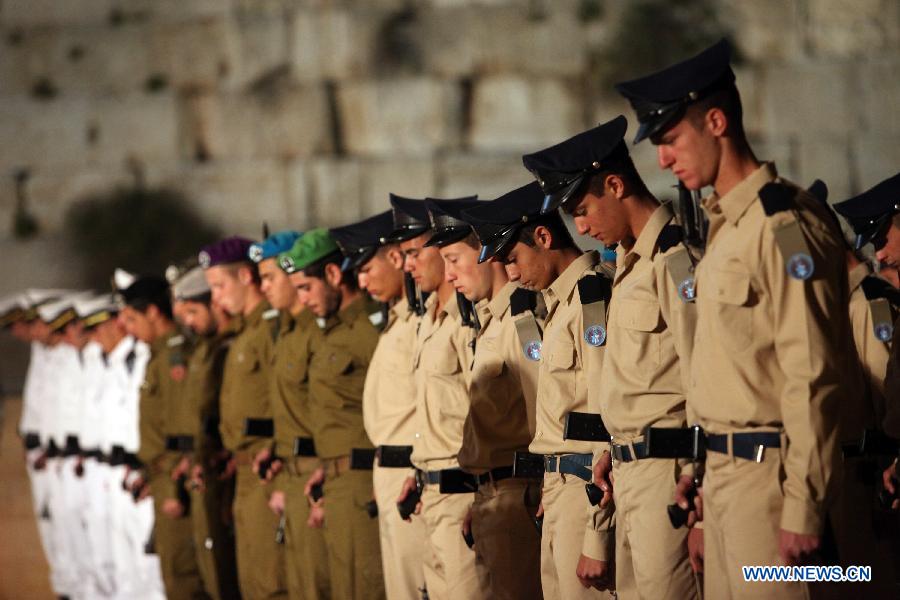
759	452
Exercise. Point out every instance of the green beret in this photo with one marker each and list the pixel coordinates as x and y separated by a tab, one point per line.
315	245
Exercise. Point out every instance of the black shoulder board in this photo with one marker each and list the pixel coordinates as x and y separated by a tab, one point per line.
776	197
522	300
876	287
669	236
129	361
594	288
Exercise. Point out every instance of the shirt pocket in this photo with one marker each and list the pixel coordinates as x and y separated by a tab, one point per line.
731	294
561	356
638	324
487	366
445	363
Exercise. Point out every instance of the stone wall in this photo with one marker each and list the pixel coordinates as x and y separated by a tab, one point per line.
303	112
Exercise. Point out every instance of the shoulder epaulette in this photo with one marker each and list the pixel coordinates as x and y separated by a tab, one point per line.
594	288
270	314
776	198
670	236
876	287
129	360
522	300
175	340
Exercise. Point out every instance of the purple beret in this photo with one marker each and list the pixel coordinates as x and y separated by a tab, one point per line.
230	250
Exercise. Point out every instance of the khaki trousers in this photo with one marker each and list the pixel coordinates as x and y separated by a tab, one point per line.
213	538
351	537
453	571
506	538
742	503
565	521
261	570
651	557
175	547
305	550
401	541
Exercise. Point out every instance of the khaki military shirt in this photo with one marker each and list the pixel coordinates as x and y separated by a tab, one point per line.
158	398
442	361
389	396
771	351
290	382
338	365
502	390
873	358
202	387
245	381
569	380
646	370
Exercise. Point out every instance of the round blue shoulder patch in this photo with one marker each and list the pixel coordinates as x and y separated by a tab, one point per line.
801	266
595	335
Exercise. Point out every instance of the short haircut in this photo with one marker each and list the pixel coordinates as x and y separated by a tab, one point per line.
726	99
621	166
233	268
317	268
562	239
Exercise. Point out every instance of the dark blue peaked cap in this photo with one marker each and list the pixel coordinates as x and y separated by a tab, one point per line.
659	99
359	241
446	219
410	219
870	213
497	223
561	170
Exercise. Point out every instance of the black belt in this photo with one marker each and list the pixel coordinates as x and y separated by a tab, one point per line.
259	427
624	454
304	446
497	474
872	443
394	457
744	445
362	459
72	447
96	454
451	481
571	464
180	443
32	440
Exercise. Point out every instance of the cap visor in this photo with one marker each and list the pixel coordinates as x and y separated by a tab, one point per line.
497	246
555	200
403	234
443	238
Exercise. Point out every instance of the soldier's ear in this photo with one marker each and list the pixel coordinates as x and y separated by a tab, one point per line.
245	276
716	121
616	186
333	275
543	238
395	257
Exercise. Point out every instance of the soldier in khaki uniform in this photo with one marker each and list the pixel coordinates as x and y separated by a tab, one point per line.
147	315
246	413
292	457
500	420
577	541
197	435
443	355
874	216
769	361
651	330
338	361
389	396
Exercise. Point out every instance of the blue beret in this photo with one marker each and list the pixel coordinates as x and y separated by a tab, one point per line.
273	245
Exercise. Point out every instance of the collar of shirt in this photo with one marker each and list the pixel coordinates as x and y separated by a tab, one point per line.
346	315
160	343
562	288
645	243
735	203
858	274
499	304
399	312
256	315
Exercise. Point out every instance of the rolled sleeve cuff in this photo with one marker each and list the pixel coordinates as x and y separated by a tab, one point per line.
599	545
801	516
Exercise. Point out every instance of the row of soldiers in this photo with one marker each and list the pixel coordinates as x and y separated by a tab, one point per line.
516	418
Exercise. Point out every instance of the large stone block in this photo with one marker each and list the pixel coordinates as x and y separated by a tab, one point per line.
194	54
826	158
44	133
41	262
397	116
464	41
488	176
514	114
298	195
879	95
263	48
814	97
287	122
135	127
875	158
337	191
54	13
413	178
842	28
334	43
765	29
237	196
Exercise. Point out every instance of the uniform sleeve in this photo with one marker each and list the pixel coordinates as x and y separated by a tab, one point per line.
891	422
525	369
809	319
